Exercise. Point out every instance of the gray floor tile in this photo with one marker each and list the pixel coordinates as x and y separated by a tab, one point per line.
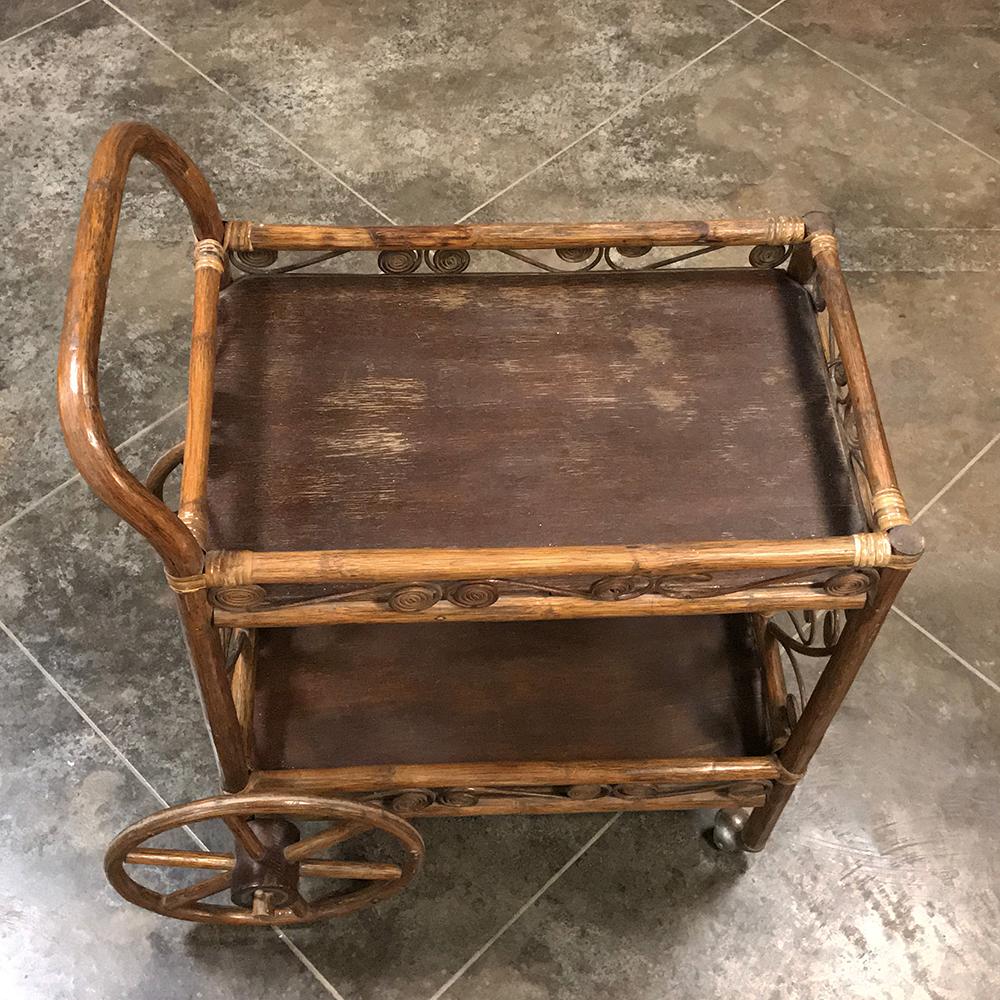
60	87
879	882
86	595
479	872
935	359
954	589
764	126
65	934
20	15
437	106
941	59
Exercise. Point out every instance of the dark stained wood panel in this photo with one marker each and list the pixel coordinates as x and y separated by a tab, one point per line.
476	692
484	410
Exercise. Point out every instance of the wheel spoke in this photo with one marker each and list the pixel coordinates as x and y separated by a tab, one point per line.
163	858
367	870
247	838
192	893
327	838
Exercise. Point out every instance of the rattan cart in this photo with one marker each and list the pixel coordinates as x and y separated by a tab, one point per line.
472	541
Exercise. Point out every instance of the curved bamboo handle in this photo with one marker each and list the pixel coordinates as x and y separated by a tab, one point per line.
79	404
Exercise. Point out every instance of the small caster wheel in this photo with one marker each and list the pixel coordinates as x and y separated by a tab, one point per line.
726	833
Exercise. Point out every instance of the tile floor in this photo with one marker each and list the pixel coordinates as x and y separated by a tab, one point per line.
883	879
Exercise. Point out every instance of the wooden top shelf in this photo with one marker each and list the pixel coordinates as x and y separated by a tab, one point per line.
521	410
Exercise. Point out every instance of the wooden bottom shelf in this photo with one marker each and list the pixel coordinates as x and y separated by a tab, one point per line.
614	690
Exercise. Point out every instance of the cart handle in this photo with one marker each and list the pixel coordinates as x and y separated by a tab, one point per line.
79	403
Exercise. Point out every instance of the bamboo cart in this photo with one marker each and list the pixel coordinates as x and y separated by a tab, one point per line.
455	543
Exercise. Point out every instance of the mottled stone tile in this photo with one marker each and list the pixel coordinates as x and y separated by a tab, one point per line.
761	125
86	595
19	15
479	871
60	87
935	360
943	60
65	933
880	881
432	108
955	589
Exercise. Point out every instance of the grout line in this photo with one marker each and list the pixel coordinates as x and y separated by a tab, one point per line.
955	478
79	709
141	778
250	111
937	642
24	31
876	88
36	503
304	959
517	916
635	102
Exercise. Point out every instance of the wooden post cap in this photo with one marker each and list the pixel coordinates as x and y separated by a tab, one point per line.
818	222
906	540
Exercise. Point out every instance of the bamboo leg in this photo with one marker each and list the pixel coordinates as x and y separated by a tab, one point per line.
208	662
860	632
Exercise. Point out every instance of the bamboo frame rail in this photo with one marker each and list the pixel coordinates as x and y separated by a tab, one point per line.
79	406
888	506
80	412
209	269
389	777
245	235
229	568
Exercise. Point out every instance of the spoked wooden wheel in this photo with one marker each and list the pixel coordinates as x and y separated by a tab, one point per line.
263	873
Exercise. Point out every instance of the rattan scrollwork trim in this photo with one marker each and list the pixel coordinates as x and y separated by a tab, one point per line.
410	801
416	596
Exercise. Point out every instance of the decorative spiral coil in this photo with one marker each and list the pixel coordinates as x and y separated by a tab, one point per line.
398	261
768	256
414	800
636	790
619	588
240	598
635	251
417	597
581	792
459	797
574	255
254	261
848	584
473	595
449	261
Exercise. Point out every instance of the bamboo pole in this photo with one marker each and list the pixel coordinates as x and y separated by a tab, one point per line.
208	272
389	777
245	235
231	568
888	505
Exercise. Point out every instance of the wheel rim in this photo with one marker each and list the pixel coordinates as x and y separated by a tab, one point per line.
347	820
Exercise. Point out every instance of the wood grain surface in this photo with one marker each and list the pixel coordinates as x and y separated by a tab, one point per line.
542	691
505	410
